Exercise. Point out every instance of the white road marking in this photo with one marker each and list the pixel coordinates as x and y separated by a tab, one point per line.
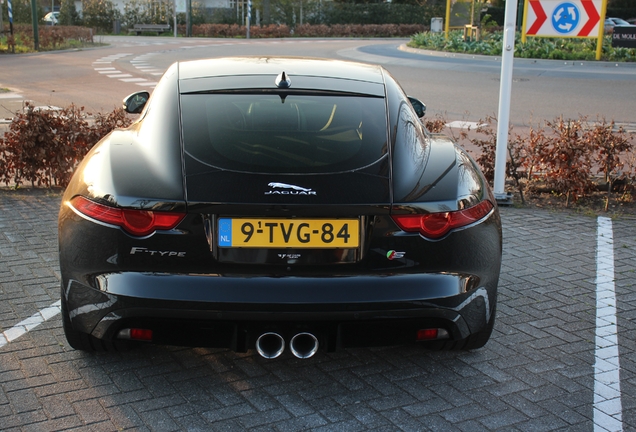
133	79
29	324
47	108
140	63
607	384
107	68
464	124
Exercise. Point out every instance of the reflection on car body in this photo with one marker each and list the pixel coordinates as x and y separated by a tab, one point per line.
270	203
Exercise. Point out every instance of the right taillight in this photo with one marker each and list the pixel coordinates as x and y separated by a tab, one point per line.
437	225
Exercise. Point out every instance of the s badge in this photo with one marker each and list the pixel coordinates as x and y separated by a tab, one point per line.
391	255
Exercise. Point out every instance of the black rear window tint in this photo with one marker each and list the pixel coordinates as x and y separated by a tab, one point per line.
267	133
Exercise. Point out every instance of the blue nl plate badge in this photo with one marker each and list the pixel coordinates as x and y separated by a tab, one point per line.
225	232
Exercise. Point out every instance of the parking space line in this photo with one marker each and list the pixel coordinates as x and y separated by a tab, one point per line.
607	384
30	323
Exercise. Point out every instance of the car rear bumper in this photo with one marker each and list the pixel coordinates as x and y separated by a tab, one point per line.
231	312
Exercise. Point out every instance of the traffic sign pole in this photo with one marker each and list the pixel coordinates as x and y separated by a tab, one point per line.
601	31
505	91
248	18
447	23
524	21
10	12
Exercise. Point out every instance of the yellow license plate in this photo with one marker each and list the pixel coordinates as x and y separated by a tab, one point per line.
289	233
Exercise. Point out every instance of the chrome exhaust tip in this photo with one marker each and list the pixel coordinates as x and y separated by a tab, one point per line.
270	345
304	345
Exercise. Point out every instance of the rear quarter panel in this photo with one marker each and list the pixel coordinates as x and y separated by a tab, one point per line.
141	166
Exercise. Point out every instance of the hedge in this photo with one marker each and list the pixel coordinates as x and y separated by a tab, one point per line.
562	156
308	30
50	37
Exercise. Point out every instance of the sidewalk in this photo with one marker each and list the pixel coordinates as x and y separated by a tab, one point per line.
537	373
12	102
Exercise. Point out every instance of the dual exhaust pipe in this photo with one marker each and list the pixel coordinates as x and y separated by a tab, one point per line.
271	345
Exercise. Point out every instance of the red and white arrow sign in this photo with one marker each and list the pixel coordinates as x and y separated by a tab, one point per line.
539	20
563	18
593	15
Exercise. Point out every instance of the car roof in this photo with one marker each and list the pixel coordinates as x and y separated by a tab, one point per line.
303	73
292	66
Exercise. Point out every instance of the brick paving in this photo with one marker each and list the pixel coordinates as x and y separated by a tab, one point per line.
536	373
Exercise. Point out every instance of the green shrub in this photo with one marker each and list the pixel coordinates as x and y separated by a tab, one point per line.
377	13
21	12
541	48
68	14
100	14
50	37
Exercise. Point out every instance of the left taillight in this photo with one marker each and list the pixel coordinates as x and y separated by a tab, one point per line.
139	223
436	225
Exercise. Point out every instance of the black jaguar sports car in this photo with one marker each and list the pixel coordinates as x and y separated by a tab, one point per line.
271	203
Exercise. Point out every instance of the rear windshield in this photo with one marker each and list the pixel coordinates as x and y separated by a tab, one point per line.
272	133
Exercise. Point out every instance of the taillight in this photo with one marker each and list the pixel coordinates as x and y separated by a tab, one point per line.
431	334
135	222
437	225
135	334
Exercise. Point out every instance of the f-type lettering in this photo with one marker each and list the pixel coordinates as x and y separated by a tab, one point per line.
135	250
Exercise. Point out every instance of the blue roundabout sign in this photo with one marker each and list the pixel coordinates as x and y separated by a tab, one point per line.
565	18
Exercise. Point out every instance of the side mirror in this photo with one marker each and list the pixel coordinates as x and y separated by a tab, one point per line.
135	102
418	106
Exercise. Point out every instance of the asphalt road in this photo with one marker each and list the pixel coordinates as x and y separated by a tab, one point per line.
562	356
455	87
